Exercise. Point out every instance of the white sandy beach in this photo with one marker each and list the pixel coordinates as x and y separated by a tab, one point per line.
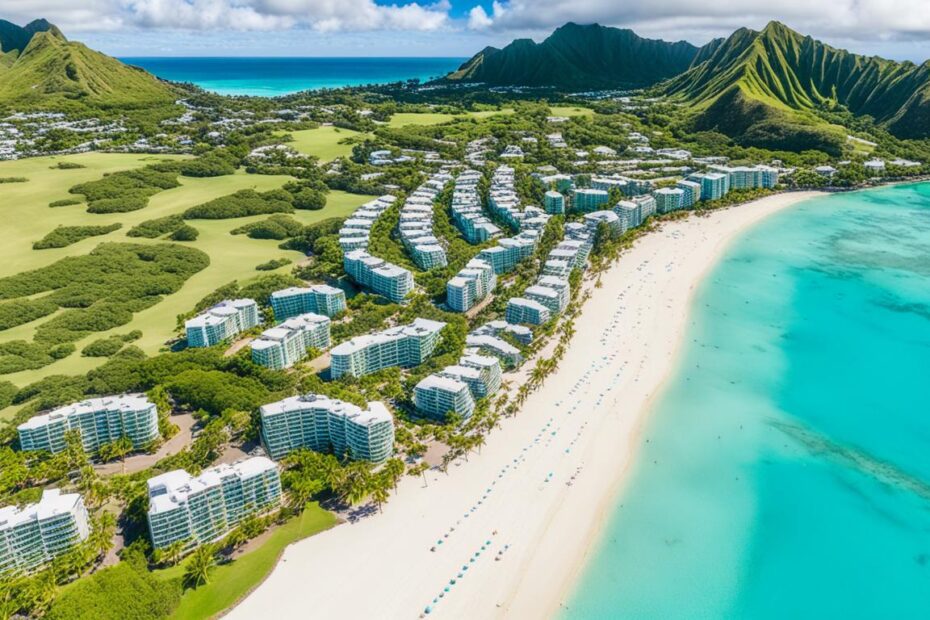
545	481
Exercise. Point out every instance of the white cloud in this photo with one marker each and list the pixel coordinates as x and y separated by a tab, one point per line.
258	15
847	19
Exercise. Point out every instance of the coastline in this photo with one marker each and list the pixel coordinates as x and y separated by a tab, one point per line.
538	497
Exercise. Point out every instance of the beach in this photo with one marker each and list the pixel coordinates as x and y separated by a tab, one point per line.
507	532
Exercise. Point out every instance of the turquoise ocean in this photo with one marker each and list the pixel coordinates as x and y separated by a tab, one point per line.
785	472
272	77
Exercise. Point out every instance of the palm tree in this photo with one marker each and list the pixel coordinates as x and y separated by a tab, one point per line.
102	537
174	551
395	469
379	490
197	571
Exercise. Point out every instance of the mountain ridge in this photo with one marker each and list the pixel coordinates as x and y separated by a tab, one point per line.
579	56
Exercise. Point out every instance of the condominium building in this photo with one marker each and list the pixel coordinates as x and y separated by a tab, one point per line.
608	183
287	343
436	397
356	229
324	424
548	297
467	213
508	252
36	534
521	333
692	193
221	322
587	200
381	277
316	299
647	205
612	220
630	214
470	285
416	224
554	202
523	310
714	185
98	421
509	355
668	199
201	509
743	177
405	346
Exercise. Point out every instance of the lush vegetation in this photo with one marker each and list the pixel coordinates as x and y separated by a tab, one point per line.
243	203
275	263
278	227
96	292
152	229
65	202
128	190
64	236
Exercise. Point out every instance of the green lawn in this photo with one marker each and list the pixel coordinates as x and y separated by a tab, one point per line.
229	583
323	142
571	111
231	257
435	118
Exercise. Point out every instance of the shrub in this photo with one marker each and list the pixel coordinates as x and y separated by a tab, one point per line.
311	199
13	180
128	190
21	311
273	264
7	393
185	233
126	590
213	164
275	227
125	204
66	202
243	203
67	165
151	229
103	347
64	236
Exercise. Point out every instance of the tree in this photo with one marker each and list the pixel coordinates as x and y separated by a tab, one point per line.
394	469
379	488
173	552
201	563
101	538
311	199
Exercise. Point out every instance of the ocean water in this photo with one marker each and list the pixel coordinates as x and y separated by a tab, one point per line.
271	77
786	470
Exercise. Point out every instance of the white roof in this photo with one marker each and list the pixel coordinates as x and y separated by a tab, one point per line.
120	402
172	489
53	503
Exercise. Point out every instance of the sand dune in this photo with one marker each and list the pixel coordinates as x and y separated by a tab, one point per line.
512	525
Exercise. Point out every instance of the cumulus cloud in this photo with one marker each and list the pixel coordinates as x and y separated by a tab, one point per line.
259	15
852	19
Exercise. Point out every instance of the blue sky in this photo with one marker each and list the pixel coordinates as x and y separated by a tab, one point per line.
897	29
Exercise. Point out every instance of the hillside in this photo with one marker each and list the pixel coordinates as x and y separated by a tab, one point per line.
40	68
579	57
763	88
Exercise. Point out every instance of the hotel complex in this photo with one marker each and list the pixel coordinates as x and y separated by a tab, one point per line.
467	213
221	322
357	228
316	299
383	278
204	508
38	533
287	343
454	389
405	346
416	224
98	420
470	285
324	424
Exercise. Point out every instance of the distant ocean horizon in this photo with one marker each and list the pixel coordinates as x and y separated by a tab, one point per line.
273	77
786	470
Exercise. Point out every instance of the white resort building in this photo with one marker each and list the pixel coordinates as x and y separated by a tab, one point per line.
324	424
98	421
405	346
317	299
221	322
204	508
287	343
36	534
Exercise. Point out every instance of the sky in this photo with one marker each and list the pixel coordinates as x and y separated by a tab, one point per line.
898	29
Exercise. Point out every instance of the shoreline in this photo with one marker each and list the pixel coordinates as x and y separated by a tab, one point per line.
508	532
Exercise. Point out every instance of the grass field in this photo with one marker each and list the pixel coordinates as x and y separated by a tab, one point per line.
323	142
435	118
27	217
558	110
230	582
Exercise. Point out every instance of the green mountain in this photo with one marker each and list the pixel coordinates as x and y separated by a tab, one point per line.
763	88
40	68
579	57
